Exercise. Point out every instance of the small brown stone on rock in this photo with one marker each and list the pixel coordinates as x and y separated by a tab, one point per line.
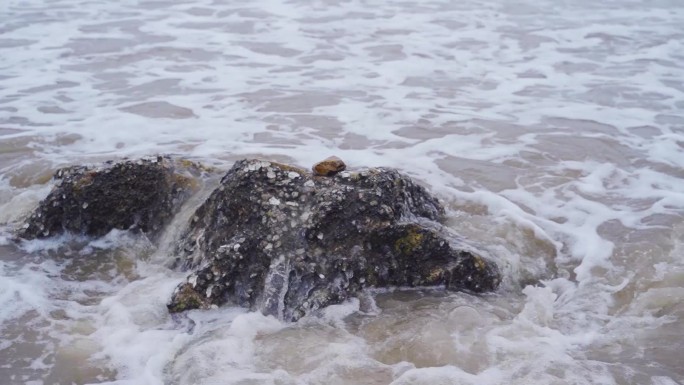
329	166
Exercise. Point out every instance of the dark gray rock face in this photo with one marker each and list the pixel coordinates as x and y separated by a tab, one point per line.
93	200
275	238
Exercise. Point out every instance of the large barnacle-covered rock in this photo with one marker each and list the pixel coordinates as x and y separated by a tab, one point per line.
275	238
139	194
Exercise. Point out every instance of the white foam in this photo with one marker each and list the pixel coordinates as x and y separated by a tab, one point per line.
135	331
335	314
21	203
447	375
23	291
223	350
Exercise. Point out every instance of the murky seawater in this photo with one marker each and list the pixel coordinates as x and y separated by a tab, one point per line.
553	131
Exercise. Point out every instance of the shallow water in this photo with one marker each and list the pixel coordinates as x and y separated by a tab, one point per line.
553	131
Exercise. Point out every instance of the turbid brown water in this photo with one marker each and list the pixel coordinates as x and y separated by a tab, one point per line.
553	132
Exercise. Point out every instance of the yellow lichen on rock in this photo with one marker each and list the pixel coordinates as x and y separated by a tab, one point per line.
192	165
287	167
187	298
409	243
85	181
185	182
435	275
478	263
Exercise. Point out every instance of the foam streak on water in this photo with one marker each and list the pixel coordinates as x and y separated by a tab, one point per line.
554	132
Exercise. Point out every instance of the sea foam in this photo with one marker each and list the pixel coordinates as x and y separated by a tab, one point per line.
553	132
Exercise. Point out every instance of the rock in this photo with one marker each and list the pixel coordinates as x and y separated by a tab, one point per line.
272	237
93	200
329	166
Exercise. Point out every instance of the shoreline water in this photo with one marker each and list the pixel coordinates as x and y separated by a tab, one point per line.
553	132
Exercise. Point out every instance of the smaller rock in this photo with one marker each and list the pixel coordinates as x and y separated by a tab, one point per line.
329	166
141	195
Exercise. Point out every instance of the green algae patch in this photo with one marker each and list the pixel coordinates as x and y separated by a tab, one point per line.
186	298
409	243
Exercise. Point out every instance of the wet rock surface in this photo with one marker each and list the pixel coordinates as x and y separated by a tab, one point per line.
140	195
274	238
329	166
